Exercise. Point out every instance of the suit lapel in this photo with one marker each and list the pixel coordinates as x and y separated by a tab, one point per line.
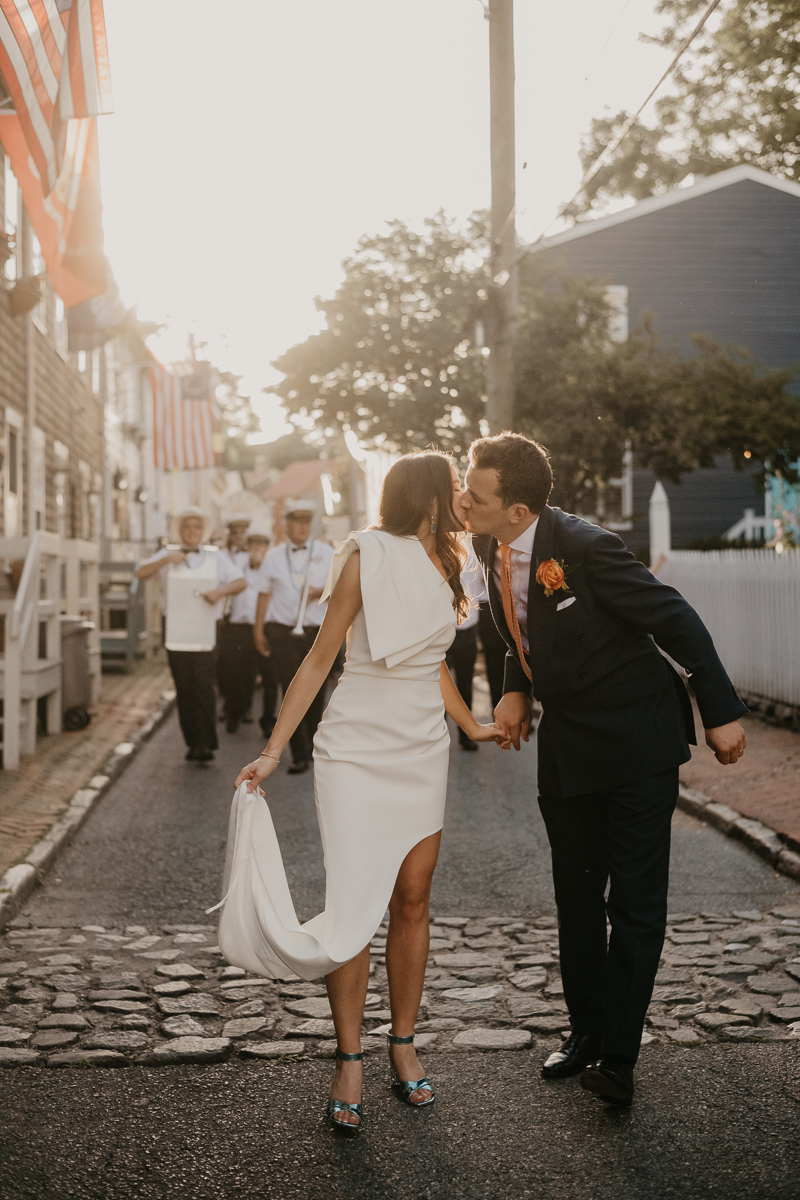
541	608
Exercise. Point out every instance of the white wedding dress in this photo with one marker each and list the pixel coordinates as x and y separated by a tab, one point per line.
380	768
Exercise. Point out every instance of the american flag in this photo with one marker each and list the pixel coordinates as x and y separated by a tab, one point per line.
54	60
183	429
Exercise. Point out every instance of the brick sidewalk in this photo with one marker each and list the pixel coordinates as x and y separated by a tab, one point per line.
33	797
764	785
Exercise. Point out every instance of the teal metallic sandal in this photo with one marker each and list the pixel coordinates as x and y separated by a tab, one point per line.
348	1128
405	1088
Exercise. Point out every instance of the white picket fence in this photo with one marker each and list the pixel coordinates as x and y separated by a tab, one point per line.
750	603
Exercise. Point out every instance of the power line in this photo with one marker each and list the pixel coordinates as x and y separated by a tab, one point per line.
605	154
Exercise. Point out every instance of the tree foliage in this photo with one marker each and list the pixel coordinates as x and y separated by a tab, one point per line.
397	363
238	419
735	100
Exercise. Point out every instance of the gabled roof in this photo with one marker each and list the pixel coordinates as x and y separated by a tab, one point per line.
653	204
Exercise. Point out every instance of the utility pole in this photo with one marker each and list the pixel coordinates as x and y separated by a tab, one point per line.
502	307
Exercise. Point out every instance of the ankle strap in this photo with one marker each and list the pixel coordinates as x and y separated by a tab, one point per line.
395	1041
342	1057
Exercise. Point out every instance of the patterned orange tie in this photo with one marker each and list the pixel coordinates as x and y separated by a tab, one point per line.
510	608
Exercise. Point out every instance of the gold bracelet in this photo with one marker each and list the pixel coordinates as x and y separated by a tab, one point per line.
266	754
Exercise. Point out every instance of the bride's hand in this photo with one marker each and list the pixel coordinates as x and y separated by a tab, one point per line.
255	772
492	733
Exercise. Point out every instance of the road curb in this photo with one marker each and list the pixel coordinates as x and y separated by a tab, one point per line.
758	837
19	881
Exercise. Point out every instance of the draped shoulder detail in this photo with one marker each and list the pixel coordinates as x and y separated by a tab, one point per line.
406	601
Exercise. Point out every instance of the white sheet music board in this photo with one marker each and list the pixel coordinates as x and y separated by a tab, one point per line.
191	621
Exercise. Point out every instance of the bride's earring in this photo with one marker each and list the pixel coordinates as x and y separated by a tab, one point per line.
433	526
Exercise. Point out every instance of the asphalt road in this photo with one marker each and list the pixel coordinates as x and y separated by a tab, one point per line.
153	850
718	1121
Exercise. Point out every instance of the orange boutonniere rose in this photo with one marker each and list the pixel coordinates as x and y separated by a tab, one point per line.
550	574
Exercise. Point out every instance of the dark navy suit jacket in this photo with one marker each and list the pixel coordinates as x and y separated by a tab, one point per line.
614	709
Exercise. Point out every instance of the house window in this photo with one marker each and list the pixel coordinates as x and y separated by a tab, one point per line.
60	486
616	297
60	324
82	361
96	372
38	477
12	481
38	267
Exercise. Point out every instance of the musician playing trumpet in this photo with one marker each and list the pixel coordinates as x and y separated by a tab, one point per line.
292	579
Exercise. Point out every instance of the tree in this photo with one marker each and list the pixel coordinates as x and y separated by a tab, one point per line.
588	398
735	101
397	361
238	419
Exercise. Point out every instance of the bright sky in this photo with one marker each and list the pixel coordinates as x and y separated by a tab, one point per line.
254	142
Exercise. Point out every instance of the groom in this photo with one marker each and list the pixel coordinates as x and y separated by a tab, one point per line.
584	621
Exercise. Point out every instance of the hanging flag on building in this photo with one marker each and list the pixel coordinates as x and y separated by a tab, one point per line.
183	416
54	63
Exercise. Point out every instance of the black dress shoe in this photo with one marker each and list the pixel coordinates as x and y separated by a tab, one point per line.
203	754
577	1052
299	768
611	1078
191	754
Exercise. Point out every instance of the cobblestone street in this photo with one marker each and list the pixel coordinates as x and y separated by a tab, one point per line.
113	964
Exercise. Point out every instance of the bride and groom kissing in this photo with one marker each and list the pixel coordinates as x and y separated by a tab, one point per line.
585	624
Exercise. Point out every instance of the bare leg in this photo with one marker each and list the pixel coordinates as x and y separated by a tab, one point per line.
407	944
347	991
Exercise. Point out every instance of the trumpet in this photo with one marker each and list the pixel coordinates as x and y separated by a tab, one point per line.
298	629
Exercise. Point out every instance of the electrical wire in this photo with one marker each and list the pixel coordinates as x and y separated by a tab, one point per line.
501	279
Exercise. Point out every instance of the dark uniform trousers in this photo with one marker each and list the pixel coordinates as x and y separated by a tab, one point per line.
494	652
287	651
461	660
238	664
193	672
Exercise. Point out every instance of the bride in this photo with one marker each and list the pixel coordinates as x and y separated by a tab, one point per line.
380	765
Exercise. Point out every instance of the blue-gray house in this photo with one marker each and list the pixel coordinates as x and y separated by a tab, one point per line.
721	257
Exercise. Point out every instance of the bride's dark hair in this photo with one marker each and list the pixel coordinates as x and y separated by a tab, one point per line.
414	487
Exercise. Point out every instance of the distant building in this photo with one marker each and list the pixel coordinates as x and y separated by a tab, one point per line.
721	257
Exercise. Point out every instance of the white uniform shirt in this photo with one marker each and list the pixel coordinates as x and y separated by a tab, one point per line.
227	572
243	608
521	555
473	584
239	558
282	575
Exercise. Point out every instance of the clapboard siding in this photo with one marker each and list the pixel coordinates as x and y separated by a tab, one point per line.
726	263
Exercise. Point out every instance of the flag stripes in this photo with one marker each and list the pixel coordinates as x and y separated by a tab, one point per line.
182	429
54	60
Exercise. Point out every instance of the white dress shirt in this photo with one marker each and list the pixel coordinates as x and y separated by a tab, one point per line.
282	574
473	584
243	608
227	572
521	555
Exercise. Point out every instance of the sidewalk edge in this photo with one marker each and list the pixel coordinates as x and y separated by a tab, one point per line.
19	881
756	836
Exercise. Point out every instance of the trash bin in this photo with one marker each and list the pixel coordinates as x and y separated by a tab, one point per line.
76	681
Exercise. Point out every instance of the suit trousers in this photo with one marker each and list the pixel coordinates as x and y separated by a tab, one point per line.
461	660
238	664
287	652
621	837
193	672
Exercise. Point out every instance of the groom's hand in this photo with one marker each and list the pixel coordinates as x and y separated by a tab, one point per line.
514	713
727	742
